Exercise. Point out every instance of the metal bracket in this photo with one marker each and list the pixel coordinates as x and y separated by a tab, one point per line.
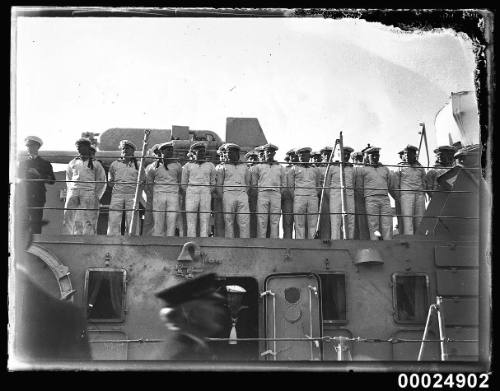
313	289
265	293
327	264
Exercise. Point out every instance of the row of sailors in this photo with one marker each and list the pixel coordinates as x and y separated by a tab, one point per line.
253	194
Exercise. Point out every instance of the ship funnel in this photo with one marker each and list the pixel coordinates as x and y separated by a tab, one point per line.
367	255
190	252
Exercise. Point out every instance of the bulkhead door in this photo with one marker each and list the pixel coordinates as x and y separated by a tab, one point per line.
292	305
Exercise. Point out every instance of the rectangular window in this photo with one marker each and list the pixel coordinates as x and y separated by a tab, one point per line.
105	294
411	297
333	298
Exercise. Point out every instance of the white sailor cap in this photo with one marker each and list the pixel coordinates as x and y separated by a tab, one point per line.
33	138
123	143
303	150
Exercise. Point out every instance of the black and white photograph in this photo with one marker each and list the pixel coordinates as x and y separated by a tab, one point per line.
252	190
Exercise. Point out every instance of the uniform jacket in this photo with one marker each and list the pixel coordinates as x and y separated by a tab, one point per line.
304	180
36	190
119	171
198	174
269	177
162	180
236	175
409	177
375	180
78	170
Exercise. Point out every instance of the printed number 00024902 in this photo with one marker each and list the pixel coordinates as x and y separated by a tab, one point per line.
438	380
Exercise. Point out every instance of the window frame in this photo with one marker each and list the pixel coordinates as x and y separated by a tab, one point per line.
123	311
328	321
395	301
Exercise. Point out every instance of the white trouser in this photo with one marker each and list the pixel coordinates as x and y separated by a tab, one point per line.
336	219
378	209
413	209
78	222
119	202
165	207
198	198
268	209
305	204
236	202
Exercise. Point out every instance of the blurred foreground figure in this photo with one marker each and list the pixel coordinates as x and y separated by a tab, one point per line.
47	329
193	311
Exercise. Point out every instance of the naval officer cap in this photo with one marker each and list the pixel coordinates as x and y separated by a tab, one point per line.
348	149
124	143
326	149
34	139
83	140
410	147
197	145
269	147
232	146
445	148
357	154
165	145
372	150
200	287
292	151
